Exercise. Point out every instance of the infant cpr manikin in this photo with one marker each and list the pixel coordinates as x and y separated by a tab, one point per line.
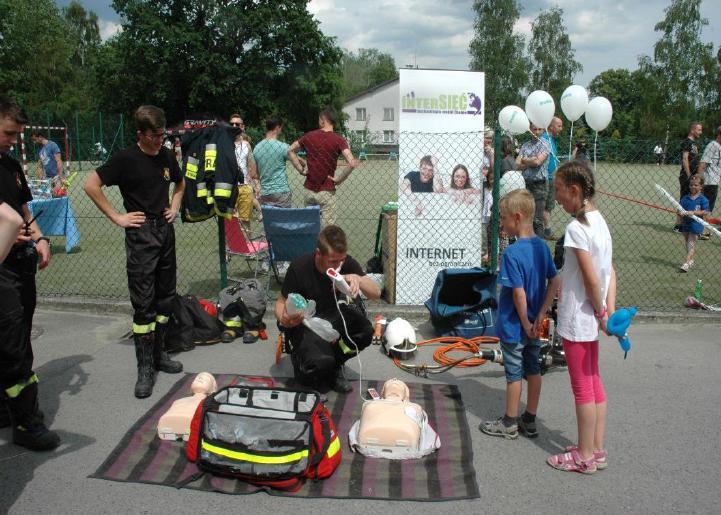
393	427
175	423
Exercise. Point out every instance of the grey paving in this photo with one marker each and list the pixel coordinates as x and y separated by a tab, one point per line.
663	428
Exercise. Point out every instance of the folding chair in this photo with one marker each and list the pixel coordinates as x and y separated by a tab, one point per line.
238	242
290	232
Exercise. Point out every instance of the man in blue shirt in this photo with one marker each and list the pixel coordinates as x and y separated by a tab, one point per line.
533	160
50	164
554	129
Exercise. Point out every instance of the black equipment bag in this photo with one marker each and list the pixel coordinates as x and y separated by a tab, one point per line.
190	325
463	302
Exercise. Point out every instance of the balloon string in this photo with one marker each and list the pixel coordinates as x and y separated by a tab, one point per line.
595	139
570	141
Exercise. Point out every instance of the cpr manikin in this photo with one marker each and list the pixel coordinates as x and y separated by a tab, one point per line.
175	423
392	427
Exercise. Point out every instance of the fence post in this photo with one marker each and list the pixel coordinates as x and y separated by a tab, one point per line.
495	210
100	121
77	141
221	252
47	118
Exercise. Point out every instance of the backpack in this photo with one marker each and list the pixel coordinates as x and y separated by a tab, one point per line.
463	302
265	436
246	301
190	324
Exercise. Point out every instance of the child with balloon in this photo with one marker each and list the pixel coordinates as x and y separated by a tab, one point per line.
587	298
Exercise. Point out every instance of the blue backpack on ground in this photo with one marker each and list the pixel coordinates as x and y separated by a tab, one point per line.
463	302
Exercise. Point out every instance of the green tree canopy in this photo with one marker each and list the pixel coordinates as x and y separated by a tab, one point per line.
551	55
219	56
498	52
620	87
366	68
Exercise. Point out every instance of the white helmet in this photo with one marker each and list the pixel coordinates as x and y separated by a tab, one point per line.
398	331
511	180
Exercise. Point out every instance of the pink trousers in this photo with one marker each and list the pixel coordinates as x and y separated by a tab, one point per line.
582	360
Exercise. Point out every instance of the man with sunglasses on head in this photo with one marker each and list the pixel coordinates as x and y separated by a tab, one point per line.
143	172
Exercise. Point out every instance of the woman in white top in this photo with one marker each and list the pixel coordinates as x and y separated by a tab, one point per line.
587	298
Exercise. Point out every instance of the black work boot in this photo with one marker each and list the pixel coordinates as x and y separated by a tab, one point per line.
161	360
340	383
29	431
146	374
4	414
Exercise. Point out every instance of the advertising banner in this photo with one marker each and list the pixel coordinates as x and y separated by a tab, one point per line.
440	183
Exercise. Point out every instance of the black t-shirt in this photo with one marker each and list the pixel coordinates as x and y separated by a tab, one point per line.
304	278
13	186
689	145
417	186
144	180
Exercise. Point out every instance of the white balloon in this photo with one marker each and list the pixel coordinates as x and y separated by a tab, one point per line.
599	113
574	102
511	180
540	108
512	119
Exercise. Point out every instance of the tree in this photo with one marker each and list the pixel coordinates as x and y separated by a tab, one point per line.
552	57
219	56
620	87
84	30
682	67
365	69
498	52
35	54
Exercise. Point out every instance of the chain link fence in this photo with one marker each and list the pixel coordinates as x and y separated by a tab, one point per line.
647	253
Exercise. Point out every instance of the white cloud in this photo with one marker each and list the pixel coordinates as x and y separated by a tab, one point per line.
109	29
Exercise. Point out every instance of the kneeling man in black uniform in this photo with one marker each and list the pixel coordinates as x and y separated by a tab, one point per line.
315	361
143	172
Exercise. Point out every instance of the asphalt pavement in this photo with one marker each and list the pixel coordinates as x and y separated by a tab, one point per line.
662	438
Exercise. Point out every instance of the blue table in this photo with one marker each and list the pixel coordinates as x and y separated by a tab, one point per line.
57	219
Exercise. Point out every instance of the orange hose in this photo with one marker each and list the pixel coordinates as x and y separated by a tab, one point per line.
456	344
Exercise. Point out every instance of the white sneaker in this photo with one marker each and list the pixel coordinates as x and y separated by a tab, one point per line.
684	268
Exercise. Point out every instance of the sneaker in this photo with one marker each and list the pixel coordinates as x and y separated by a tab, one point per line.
601	457
527	428
684	268
705	236
498	428
571	462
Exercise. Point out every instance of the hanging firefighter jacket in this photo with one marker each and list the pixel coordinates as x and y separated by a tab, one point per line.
211	173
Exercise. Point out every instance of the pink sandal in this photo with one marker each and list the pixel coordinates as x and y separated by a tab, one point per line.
600	457
572	462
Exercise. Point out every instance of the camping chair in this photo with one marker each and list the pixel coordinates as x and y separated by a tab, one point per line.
290	232
238	242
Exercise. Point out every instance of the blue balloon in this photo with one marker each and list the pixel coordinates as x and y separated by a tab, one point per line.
618	324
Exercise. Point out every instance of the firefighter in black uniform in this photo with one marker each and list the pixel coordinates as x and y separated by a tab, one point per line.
143	172
19	395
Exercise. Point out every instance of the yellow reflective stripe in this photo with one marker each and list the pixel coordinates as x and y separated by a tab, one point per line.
191	168
345	348
210	200
222	192
143	328
160	319
234	323
253	458
15	390
334	447
210	155
202	190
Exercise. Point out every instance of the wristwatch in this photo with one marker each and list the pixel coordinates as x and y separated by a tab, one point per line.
43	238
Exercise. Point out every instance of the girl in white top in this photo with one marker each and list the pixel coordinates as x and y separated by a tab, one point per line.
586	299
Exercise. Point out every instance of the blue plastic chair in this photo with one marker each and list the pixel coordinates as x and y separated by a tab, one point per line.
290	232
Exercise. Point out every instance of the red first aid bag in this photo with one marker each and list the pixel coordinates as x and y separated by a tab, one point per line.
272	437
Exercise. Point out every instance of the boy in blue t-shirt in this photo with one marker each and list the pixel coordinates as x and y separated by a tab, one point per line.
528	281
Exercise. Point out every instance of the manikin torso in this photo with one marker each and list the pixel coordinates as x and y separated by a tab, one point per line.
392	420
175	423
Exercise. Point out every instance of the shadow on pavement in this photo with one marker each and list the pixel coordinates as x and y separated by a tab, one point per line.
17	465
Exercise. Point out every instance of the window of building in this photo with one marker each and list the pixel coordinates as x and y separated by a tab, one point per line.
389	137
360	114
387	114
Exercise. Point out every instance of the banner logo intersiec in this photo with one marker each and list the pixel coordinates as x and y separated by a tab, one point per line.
463	103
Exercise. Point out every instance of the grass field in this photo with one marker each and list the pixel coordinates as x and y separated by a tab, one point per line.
646	252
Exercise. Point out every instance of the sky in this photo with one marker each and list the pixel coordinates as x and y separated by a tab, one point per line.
431	34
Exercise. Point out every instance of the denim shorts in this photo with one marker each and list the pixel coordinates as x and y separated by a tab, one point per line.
521	359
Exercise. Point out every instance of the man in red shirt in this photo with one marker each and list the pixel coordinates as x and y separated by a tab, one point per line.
323	147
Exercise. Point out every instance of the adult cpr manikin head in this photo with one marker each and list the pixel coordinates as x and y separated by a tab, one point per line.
395	390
